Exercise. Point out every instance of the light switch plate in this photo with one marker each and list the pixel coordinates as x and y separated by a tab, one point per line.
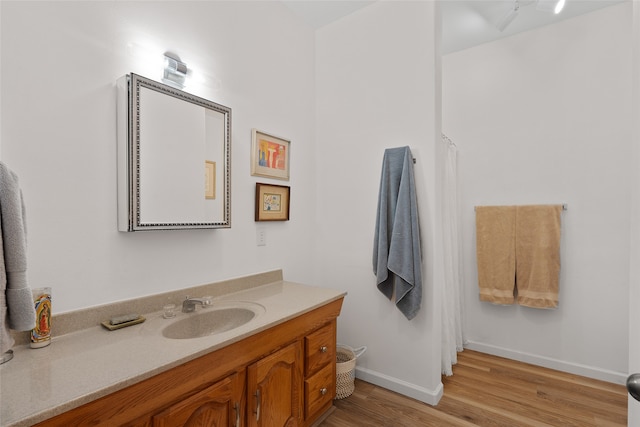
261	237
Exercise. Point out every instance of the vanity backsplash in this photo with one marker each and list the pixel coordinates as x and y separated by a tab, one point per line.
72	321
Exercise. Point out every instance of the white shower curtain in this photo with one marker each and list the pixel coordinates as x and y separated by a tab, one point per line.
452	335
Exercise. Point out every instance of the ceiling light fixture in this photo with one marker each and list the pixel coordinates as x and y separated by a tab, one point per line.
175	71
549	6
509	16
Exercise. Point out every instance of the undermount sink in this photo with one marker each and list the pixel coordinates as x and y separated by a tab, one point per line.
212	321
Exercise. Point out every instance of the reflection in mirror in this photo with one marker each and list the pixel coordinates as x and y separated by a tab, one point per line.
173	158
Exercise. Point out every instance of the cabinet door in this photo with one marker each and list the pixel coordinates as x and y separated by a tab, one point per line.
274	386
218	405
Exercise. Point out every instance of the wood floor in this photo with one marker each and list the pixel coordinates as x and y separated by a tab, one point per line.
490	391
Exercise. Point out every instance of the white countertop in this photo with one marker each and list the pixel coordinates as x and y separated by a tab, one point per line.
82	366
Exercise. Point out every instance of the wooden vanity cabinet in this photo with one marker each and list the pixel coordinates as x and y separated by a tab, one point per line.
281	377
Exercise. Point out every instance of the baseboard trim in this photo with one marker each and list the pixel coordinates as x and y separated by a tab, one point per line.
548	362
431	397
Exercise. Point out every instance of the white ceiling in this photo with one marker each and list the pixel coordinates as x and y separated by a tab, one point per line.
465	23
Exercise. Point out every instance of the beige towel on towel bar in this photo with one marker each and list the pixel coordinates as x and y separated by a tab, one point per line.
518	254
538	255
496	253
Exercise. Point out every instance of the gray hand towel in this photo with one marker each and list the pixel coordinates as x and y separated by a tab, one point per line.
20	312
397	260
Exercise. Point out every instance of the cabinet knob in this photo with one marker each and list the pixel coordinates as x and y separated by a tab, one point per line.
323	349
323	391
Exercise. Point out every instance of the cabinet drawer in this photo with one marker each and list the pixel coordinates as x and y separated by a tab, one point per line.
319	390
320	348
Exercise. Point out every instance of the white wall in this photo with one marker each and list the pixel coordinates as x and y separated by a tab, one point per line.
545	117
60	61
378	87
634	276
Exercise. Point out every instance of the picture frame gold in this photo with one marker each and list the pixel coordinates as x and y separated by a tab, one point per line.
270	155
272	202
209	179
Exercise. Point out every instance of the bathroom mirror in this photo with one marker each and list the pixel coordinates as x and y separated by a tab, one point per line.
174	158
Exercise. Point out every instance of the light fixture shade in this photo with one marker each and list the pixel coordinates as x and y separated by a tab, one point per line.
175	71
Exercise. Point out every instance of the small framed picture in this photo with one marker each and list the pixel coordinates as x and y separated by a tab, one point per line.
272	202
209	179
269	155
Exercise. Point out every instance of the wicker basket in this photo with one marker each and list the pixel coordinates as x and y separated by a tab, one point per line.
346	369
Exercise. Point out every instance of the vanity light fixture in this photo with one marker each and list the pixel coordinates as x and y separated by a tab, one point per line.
175	71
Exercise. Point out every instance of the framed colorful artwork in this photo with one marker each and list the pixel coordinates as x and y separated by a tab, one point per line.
269	155
272	202
209	179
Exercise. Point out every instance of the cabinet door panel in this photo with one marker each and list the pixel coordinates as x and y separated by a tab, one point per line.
274	385
215	406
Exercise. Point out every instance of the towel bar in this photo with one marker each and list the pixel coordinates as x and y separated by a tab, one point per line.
564	207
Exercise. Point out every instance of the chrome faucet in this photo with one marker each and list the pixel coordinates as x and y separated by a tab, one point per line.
189	304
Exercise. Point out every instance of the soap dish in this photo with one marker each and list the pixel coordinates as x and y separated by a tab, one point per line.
111	327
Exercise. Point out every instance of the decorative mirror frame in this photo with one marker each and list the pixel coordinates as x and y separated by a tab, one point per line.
129	215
